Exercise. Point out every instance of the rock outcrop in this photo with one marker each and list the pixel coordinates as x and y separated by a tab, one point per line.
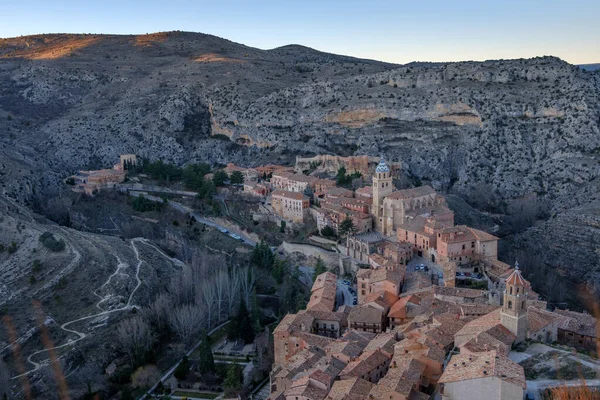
508	128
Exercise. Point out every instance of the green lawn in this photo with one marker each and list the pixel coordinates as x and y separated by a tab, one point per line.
196	395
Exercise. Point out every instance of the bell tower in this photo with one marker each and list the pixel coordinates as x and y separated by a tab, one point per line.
382	187
514	308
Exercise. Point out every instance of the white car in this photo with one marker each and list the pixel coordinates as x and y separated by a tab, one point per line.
223	230
236	237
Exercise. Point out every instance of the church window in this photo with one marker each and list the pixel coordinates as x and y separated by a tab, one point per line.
511	290
517	290
510	305
522	305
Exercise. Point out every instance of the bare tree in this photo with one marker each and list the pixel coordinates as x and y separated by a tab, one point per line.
135	338
4	379
144	377
221	285
89	377
206	297
186	321
157	313
247	283
232	292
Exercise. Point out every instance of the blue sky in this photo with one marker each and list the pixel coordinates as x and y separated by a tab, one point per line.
395	31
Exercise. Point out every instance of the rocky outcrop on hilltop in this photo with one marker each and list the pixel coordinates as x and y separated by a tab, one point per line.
502	129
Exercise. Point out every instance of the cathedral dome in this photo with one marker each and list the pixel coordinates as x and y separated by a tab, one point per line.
382	167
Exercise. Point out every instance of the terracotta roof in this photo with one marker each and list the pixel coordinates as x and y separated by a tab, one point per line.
481	365
385	300
489	323
582	324
402	377
398	310
539	319
482	236
304	388
412	193
485	342
458	292
365	314
367	362
289	195
383	341
350	389
515	278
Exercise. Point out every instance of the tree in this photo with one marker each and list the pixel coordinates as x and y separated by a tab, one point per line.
206	362
144	377
186	321
236	177
219	177
207	190
183	369
234	380
282	227
341	176
262	256
136	339
4	379
242	327
327	231
346	227
319	268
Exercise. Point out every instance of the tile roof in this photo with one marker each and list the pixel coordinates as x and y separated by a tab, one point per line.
384	300
365	314
481	365
489	323
402	377
515	278
350	389
485	342
398	310
458	292
412	192
582	324
289	195
367	362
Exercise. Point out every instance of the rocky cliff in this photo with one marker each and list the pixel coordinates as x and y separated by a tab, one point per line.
489	131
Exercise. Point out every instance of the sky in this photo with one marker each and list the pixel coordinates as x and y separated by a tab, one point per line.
394	31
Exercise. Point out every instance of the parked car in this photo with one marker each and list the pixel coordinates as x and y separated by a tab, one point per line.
417	267
426	268
346	282
467	273
457	273
352	290
440	275
235	236
354	301
223	230
462	274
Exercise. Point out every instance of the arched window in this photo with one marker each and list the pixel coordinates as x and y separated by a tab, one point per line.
522	305
511	290
517	290
510	305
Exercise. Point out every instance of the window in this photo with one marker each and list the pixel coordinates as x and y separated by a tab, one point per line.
510	305
463	246
523	306
511	290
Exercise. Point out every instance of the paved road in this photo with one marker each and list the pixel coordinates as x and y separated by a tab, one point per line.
535	386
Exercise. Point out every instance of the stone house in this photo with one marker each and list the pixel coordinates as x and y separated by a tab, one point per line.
290	205
367	319
462	244
362	245
370	366
578	330
292	182
486	375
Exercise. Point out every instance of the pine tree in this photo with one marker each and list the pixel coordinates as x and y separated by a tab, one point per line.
206	361
346	227
236	177
319	268
183	369
234	379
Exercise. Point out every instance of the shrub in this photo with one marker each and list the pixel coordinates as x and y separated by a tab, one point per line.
12	248
51	243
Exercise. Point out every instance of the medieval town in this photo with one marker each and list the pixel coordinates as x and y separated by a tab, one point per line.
412	306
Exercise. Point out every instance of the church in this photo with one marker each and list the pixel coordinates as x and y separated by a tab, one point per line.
394	208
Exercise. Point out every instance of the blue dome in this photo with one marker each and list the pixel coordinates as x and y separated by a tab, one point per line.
382	167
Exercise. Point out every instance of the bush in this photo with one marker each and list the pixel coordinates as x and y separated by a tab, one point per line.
327	231
51	243
12	248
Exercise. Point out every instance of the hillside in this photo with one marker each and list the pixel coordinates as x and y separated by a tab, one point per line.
500	134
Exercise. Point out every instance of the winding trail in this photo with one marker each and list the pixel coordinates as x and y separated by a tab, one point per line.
81	335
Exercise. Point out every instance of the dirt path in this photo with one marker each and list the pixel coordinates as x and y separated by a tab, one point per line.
81	335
